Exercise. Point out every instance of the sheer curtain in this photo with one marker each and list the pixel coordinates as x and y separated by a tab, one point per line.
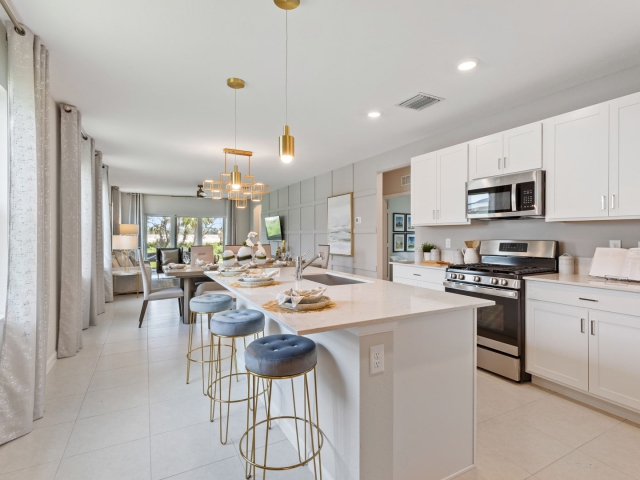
136	215
106	231
98	288
23	351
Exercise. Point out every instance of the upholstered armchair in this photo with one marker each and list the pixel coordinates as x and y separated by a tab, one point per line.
167	255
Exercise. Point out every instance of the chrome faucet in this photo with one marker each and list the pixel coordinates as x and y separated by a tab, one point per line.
300	266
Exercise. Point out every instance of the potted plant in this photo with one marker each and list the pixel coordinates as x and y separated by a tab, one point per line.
427	249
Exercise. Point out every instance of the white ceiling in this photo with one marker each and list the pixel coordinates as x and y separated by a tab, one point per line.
150	75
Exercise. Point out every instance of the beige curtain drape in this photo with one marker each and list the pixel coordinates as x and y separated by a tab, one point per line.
106	231
23	341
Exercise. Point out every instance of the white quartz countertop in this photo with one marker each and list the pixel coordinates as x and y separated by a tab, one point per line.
357	305
586	281
411	264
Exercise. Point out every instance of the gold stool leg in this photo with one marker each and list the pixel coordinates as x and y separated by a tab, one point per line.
204	390
190	344
231	362
315	387
266	440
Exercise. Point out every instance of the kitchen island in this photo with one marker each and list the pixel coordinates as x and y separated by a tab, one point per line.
416	419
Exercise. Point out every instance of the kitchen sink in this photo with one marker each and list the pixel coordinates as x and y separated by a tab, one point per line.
331	280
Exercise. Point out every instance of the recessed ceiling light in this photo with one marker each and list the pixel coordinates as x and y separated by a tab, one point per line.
468	65
374	114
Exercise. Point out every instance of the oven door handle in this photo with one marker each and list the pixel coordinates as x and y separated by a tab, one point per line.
493	292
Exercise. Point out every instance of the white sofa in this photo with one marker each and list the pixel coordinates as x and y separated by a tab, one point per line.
126	284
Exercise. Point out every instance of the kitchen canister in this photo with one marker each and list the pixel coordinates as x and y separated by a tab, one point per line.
566	264
434	255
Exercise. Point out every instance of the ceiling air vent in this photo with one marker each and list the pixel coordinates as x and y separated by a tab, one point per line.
419	101
405	180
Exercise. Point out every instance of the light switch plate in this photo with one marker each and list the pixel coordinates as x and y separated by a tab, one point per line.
358	219
615	243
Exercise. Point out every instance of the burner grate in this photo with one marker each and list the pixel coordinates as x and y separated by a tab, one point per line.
504	269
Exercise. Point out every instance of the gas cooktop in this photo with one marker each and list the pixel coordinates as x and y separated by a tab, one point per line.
488	268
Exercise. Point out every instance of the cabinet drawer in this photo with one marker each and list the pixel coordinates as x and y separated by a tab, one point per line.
418	273
591	298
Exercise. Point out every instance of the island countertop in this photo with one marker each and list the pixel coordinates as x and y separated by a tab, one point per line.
357	305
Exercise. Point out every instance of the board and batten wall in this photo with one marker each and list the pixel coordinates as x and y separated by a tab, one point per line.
576	238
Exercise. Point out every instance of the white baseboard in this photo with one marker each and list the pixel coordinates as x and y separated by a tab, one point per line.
589	399
52	360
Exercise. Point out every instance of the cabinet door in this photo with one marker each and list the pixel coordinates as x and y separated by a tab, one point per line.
424	187
452	184
485	157
614	357
557	343
624	157
522	148
576	157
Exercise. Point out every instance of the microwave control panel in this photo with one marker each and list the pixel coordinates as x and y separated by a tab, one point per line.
525	195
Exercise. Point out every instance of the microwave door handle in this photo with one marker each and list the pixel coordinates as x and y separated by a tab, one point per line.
514	207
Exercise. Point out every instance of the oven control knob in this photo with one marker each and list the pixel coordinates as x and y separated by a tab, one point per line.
454	276
476	278
460	276
503	282
494	281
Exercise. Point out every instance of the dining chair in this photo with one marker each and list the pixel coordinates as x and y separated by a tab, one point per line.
323	263
202	252
233	248
158	294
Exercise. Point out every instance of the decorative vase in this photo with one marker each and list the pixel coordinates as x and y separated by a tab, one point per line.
471	255
426	256
228	258
435	255
245	254
261	259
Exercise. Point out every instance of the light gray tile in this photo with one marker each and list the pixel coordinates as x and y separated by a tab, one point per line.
126	335
60	410
124	347
618	447
503	395
191	447
89	351
578	466
114	399
126	461
118	377
43	445
228	469
178	413
66	386
172	331
121	360
65	367
491	466
103	431
45	471
167	353
282	454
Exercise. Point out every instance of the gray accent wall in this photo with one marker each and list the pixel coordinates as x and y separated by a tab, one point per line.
298	202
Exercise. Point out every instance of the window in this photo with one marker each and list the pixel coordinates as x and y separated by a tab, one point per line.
171	230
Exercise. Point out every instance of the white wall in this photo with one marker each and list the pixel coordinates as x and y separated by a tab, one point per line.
360	177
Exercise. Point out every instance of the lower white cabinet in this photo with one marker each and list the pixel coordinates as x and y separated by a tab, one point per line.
591	350
415	276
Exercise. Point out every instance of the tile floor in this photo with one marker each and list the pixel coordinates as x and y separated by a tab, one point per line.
120	409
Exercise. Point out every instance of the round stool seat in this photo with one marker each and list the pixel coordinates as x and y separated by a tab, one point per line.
211	303
281	355
236	323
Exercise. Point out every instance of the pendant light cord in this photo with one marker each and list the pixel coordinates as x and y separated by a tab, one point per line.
235	124
286	67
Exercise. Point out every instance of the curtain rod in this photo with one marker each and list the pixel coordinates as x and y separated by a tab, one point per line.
16	25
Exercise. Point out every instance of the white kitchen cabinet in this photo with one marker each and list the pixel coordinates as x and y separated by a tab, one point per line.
419	276
624	156
557	343
452	184
576	158
438	187
424	189
512	151
485	156
614	357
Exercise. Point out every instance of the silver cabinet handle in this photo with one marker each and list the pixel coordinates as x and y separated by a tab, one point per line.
613	202
504	162
604	202
587	299
499	163
593	327
417	275
434	214
582	325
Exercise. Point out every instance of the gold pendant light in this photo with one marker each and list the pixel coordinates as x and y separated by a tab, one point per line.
286	143
237	188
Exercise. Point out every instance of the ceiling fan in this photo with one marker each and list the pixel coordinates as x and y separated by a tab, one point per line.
199	194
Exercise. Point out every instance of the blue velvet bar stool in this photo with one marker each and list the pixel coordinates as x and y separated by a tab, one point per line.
282	357
233	325
204	305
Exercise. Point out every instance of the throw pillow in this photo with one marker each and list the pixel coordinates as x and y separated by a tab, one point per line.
170	256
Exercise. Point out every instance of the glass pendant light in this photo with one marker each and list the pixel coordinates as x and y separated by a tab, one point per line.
286	149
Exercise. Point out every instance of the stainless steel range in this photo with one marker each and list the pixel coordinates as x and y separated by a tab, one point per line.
499	278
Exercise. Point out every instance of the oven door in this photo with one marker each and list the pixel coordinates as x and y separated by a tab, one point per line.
499	326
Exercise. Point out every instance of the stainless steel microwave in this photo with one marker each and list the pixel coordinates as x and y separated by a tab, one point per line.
519	195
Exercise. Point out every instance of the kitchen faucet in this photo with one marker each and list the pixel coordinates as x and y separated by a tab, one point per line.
300	267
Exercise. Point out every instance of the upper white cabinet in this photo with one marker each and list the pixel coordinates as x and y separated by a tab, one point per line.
438	187
515	150
576	153
624	156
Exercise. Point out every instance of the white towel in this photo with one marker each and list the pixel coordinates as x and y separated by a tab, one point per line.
294	296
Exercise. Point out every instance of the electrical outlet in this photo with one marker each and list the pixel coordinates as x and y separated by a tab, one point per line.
376	359
358	219
447	243
615	243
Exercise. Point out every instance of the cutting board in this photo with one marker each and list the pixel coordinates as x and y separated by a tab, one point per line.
435	263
